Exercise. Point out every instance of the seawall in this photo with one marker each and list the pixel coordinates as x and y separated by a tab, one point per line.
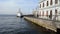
46	24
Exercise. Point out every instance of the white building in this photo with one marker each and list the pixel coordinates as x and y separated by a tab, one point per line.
49	8
35	12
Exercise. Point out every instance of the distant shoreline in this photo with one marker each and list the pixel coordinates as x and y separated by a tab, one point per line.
3	14
6	15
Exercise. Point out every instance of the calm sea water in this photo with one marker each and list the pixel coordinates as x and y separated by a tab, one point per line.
13	25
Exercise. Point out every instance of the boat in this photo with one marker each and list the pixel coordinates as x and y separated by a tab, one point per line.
19	14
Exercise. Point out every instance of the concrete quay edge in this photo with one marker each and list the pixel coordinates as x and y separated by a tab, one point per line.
42	23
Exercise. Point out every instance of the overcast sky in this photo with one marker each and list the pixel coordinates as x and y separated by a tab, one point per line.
12	6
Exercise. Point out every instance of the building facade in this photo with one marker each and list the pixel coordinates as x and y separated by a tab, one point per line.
35	13
49	9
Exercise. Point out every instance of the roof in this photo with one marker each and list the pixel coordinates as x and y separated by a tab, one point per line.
41	1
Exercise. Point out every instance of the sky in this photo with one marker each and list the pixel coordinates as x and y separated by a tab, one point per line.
12	6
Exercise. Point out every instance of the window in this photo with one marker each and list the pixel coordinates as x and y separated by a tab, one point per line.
56	1
43	4
51	2
40	5
51	12
47	3
55	11
40	13
47	13
50	16
43	13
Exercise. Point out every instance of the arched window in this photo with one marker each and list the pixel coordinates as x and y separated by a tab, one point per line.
40	5
55	11
51	2
40	13
51	12
50	16
47	3
47	13
56	1
43	13
43	4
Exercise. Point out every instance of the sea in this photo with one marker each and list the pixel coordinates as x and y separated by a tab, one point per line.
10	24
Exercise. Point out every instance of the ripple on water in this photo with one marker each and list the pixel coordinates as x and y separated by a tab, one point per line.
13	25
